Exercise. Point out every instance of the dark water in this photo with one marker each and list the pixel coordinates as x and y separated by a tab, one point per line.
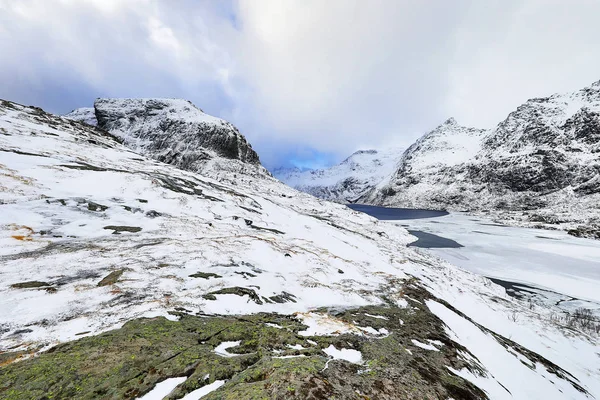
431	241
388	213
425	240
514	289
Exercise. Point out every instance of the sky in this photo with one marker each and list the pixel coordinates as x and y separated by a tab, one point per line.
308	82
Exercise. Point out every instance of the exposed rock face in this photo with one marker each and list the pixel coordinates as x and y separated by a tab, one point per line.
173	131
542	159
346	181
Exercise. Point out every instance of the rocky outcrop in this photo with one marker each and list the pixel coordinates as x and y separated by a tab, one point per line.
173	131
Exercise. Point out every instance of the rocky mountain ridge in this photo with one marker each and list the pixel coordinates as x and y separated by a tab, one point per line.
176	132
540	166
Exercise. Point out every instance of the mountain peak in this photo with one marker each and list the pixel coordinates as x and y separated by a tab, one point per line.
173	109
595	85
83	114
450	121
174	131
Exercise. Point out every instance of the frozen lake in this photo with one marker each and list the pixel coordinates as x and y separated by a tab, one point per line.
565	268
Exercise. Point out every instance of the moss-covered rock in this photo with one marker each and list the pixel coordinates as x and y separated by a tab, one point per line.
237	290
111	278
272	361
128	362
118	229
205	275
29	285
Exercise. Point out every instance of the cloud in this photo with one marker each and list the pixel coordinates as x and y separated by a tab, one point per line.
508	52
118	48
343	75
304	80
339	74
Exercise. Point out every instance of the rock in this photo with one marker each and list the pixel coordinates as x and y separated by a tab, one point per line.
86	115
284	297
111	278
118	229
267	229
29	285
22	331
173	131
237	290
205	275
153	214
95	206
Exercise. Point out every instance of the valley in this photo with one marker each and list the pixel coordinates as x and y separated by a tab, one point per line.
549	268
537	168
139	269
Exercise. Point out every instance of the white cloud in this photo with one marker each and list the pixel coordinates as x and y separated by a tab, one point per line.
338	73
343	74
508	52
333	75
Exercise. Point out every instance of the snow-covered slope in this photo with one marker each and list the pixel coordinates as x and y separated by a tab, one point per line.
84	114
77	204
448	145
539	165
345	181
93	235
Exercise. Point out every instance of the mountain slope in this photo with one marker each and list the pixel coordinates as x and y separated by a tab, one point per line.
163	273
86	115
540	165
345	181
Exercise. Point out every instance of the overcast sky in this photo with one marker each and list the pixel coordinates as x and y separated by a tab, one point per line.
307	81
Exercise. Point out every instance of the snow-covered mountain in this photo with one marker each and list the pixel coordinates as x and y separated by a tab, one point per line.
448	145
346	181
84	114
176	132
148	276
538	166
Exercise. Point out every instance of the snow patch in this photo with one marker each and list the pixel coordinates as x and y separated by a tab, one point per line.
424	345
203	391
162	389
350	355
221	349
